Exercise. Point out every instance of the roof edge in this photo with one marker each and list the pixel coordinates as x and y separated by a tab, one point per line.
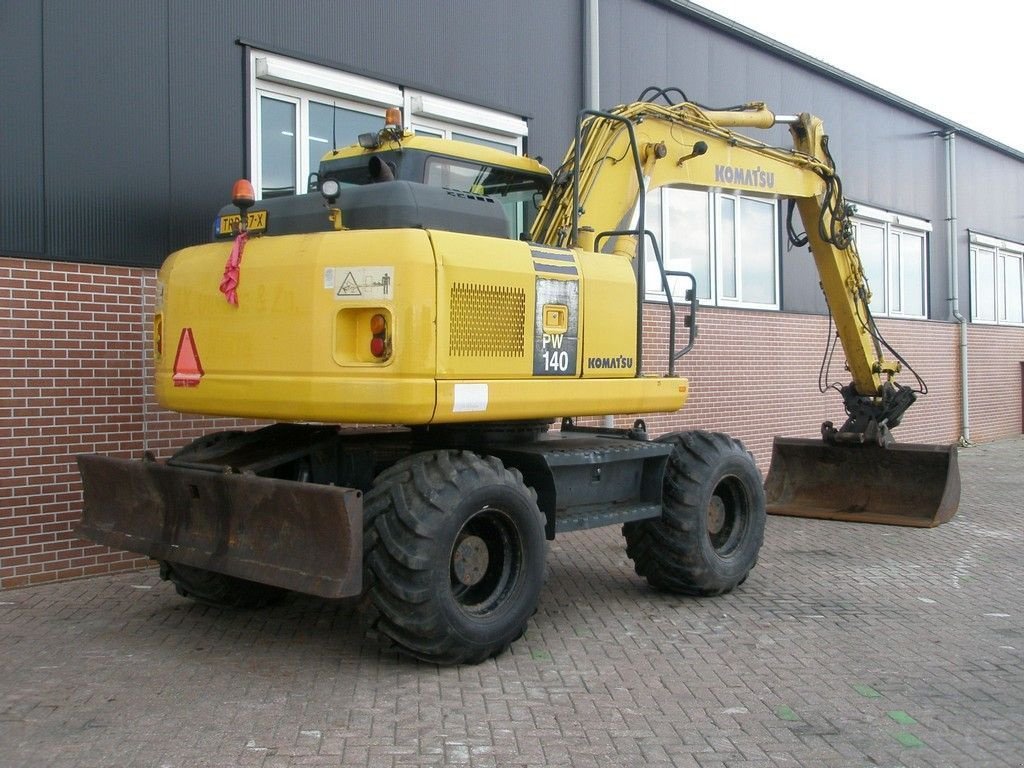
758	40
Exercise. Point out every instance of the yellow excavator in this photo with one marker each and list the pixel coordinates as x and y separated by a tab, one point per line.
413	336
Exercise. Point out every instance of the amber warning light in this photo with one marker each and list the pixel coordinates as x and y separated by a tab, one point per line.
242	194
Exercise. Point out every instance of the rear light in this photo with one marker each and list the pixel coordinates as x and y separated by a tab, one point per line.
380	346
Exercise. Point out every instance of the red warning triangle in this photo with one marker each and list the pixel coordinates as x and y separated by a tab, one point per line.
187	368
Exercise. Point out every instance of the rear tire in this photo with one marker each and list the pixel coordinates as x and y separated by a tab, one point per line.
219	590
454	555
712	524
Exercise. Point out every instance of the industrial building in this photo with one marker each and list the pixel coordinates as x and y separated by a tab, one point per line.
124	128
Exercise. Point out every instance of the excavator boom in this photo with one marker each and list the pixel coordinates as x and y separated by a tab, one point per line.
855	472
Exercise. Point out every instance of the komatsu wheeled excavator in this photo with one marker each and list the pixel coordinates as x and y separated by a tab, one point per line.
412	343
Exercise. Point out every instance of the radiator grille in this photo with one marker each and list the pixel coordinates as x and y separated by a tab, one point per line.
487	321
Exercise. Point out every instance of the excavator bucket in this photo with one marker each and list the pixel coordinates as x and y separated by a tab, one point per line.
298	536
901	484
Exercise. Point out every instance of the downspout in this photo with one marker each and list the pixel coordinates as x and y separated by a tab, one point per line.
592	85
954	281
591	55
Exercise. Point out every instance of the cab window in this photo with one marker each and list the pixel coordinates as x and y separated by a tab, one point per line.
514	190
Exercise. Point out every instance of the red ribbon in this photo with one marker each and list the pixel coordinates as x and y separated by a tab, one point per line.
233	268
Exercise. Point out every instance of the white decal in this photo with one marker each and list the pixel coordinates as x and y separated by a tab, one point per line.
470	398
360	282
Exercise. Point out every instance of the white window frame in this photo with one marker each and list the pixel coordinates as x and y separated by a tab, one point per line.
1003	254
449	117
714	232
898	226
257	136
288	79
718	271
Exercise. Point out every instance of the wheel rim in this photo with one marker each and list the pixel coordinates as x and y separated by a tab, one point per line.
485	562
727	515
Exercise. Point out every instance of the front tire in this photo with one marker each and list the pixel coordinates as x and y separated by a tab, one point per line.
218	589
712	524
454	555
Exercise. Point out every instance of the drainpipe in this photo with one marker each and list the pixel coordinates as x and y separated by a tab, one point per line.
954	281
592	85
591	56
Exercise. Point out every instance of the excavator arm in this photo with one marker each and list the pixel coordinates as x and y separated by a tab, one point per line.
622	154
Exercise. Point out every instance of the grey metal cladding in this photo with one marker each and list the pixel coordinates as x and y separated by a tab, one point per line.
130	120
21	129
889	157
105	107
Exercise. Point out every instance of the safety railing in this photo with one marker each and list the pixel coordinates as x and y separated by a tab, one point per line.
689	320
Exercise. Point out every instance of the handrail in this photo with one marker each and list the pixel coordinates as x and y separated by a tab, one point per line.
578	159
691	297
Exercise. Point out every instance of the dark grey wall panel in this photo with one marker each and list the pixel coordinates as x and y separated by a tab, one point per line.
482	51
105	102
21	128
124	128
208	133
991	193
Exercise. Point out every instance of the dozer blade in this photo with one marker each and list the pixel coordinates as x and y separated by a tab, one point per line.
299	536
902	484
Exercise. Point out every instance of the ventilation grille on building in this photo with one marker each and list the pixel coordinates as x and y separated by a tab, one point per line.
487	321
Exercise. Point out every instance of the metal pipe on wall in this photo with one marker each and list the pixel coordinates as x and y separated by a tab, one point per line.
954	281
592	83
591	55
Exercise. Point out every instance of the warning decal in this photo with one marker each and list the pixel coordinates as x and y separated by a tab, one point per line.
360	282
187	368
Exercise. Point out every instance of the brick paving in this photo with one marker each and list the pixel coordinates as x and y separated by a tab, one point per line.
848	646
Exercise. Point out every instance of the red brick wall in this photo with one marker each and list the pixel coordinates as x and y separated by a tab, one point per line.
994	382
754	375
75	379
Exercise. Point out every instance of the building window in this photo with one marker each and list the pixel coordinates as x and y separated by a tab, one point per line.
894	253
301	111
997	280
729	242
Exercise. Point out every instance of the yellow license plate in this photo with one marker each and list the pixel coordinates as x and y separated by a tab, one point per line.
256	221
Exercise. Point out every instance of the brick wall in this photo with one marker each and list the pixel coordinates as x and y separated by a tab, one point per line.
994	382
75	379
755	375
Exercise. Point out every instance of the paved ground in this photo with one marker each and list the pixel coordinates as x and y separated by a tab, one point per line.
848	646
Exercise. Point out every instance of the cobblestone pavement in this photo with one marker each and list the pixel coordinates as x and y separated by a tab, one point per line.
848	646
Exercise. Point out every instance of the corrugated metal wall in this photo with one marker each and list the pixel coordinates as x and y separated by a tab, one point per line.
105	128
21	128
124	122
